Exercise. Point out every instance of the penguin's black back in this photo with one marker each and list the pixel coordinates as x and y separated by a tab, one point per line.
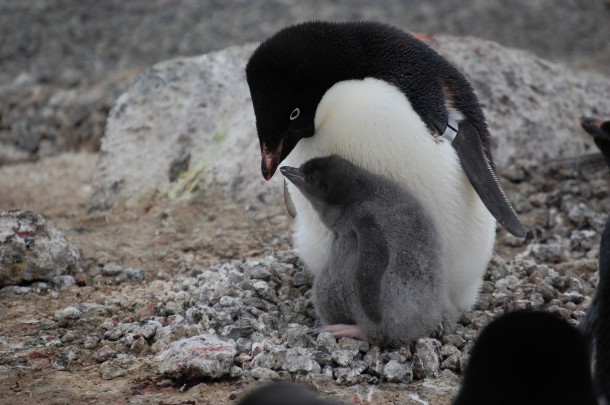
528	358
312	56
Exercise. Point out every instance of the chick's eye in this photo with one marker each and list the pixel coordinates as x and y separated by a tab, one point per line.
295	114
312	179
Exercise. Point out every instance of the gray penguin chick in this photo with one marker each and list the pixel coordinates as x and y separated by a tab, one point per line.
384	281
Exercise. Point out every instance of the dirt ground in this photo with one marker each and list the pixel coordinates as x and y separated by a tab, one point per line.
160	240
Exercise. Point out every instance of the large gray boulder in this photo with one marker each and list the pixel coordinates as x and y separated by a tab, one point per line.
186	127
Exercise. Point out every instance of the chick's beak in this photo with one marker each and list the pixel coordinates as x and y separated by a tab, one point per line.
270	160
294	175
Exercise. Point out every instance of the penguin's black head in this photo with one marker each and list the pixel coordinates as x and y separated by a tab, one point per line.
328	181
528	357
290	72
600	130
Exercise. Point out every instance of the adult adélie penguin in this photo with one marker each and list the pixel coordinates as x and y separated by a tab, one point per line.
387	102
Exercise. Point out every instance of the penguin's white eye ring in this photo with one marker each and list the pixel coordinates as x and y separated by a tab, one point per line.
295	114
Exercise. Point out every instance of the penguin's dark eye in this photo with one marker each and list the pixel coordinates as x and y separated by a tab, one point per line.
295	114
313	179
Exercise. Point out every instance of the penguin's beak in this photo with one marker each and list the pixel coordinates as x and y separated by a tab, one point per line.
294	175
270	160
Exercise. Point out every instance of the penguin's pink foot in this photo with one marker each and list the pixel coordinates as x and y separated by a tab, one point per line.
342	330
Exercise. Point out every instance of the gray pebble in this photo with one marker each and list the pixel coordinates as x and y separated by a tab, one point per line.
343	357
346	376
374	362
264	374
550	252
110	370
297	336
62	361
352	345
326	340
104	353
91	342
197	357
454	340
427	350
298	360
112	270
135	274
68	337
67	314
396	372
236	372
452	362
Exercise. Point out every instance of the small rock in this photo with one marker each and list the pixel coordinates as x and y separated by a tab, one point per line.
296	336
452	362
343	357
374	362
350	344
264	374
346	376
327	341
299	359
67	314
62	361
135	274
198	357
302	277
550	252
68	337
322	357
236	372
109	370
31	248
91	342
454	340
105	353
397	373
426	361
112	270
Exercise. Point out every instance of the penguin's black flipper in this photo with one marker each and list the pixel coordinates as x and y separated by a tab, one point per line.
288	201
467	144
373	259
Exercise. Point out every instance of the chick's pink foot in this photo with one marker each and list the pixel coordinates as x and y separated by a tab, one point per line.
342	330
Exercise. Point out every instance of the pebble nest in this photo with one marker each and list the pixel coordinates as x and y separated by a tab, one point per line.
258	311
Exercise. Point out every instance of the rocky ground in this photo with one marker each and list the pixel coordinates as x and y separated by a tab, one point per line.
152	278
153	275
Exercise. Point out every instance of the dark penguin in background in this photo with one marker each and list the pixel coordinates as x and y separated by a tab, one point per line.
528	358
388	103
596	324
384	280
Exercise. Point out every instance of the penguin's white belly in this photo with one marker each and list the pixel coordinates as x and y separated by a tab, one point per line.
372	124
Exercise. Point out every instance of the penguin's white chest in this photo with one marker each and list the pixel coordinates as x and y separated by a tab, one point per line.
372	124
